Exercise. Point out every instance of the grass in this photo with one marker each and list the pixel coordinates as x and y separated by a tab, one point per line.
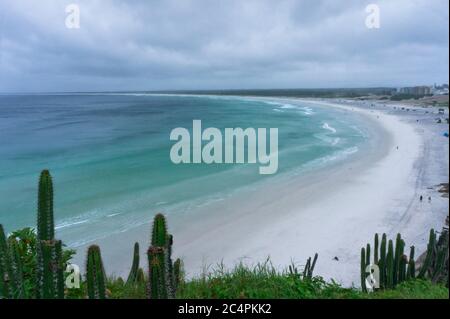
264	282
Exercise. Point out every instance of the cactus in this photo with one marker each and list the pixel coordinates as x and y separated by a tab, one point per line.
438	269
17	269
50	277
376	250
411	274
309	267
160	263
390	265
50	283
45	224
435	265
367	255
178	273
132	277
382	261
397	257
140	277
160	237
429	257
363	270
158	281
95	274
6	269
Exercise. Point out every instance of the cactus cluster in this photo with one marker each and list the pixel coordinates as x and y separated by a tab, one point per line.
435	266
394	266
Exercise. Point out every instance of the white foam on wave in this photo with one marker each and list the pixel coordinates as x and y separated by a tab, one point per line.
335	141
70	223
339	155
326	126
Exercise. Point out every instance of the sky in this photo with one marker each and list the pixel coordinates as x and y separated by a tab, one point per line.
228	44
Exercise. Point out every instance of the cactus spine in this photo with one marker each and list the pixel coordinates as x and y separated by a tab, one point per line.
50	281
132	277
95	274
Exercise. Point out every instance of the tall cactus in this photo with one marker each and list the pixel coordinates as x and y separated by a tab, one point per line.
158	279
95	274
363	270
160	236
376	250
132	277
430	254
6	269
160	263
411	265
177	273
45	223
390	265
367	255
50	281
17	268
382	261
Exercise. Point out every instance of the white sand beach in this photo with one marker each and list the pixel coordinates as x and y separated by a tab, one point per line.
334	212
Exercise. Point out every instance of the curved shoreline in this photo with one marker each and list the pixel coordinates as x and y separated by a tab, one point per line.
334	214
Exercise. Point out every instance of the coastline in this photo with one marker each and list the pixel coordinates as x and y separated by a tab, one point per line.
333	212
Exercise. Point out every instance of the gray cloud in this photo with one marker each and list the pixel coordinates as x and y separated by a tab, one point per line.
201	44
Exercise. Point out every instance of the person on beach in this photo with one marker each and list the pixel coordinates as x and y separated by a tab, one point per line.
421	198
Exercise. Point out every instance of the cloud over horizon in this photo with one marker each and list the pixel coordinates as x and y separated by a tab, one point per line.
200	44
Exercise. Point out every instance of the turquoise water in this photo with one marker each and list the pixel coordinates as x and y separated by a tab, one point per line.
109	154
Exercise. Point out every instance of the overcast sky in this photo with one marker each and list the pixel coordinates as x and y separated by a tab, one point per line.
211	44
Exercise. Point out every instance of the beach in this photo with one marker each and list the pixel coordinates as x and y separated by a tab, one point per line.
333	212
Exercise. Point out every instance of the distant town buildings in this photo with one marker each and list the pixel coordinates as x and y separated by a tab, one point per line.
424	90
440	90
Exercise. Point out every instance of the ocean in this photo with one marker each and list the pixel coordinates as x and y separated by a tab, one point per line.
109	155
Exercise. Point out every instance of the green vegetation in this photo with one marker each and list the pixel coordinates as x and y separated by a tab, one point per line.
32	266
401	97
263	281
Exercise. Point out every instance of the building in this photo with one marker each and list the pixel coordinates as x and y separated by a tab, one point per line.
416	90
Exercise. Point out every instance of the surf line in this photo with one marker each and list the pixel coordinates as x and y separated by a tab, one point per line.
227	148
